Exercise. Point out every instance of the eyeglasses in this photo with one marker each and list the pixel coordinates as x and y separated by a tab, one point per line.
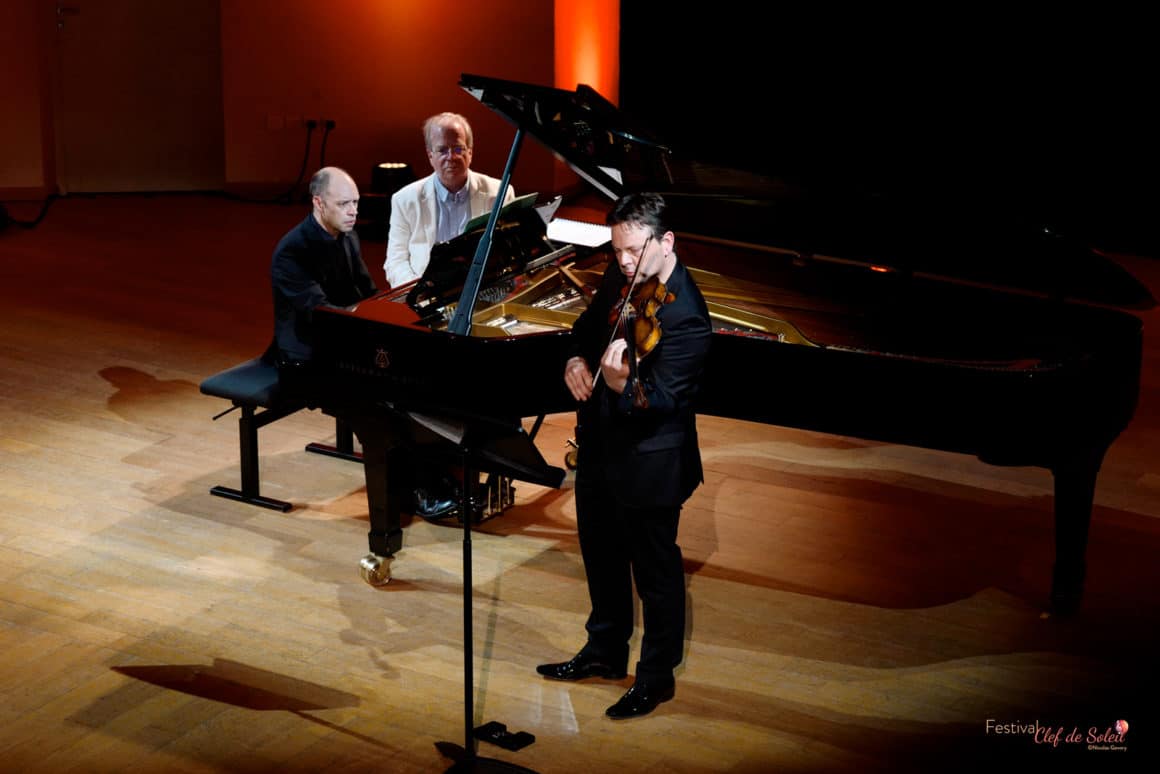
454	150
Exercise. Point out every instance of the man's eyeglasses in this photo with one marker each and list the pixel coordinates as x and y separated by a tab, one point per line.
454	150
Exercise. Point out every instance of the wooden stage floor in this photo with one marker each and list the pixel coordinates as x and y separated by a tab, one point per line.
854	606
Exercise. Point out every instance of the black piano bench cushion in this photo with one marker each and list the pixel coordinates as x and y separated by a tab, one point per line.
253	383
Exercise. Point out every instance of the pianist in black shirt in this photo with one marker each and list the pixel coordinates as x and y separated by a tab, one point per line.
317	263
638	457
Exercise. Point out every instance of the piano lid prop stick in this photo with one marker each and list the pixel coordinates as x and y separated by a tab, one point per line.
461	321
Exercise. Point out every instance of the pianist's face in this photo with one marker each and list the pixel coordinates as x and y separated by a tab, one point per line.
450	155
337	209
636	252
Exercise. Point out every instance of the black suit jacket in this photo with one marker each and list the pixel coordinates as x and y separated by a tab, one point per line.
647	456
310	268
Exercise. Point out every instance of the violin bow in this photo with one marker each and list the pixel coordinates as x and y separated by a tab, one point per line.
624	307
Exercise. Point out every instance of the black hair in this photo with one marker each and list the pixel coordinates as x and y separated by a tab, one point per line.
643	209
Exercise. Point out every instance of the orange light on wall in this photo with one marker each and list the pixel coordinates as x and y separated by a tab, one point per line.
588	46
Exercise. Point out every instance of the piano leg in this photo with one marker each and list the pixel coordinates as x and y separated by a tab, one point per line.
384	456
1075	486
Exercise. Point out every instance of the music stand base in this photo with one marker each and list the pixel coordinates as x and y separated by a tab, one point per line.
466	763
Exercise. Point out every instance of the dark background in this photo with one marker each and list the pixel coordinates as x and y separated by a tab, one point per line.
1044	115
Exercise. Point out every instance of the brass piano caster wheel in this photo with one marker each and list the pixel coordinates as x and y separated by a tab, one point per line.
375	569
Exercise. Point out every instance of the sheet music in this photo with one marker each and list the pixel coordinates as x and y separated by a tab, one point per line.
479	221
577	232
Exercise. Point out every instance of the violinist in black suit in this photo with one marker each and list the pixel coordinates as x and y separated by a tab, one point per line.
639	349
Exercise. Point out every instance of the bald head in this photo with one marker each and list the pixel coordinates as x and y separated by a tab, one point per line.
334	195
322	178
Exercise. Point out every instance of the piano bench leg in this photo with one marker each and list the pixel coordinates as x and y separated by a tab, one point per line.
343	444
250	491
256	499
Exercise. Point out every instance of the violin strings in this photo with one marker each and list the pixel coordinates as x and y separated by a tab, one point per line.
624	306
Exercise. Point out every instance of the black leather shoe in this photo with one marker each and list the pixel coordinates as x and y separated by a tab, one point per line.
580	667
432	506
641	699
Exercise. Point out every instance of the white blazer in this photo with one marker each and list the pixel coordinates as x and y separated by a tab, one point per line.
414	209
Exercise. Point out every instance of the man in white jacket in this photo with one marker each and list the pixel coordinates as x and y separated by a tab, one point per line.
437	207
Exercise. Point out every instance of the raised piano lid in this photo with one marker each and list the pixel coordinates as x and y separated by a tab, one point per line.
924	236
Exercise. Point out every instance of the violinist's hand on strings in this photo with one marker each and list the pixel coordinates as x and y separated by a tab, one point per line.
578	378
614	365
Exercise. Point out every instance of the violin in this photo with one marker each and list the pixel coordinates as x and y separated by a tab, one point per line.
641	310
638	305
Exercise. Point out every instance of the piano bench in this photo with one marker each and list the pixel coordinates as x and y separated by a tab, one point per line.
251	386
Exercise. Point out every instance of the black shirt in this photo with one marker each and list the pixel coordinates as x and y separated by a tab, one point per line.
310	268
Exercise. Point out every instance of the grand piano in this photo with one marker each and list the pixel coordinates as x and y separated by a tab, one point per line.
907	322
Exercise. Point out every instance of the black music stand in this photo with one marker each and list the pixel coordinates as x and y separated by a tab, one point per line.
499	448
